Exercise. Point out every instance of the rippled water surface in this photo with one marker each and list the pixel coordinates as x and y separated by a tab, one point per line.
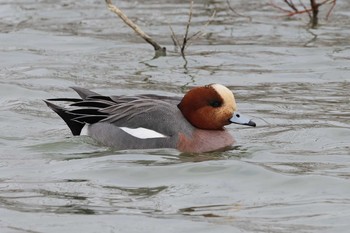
289	174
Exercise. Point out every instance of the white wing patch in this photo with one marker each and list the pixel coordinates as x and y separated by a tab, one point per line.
142	133
85	130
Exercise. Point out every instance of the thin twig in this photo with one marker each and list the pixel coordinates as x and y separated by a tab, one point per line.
331	9
291	5
278	7
314	9
234	11
159	49
174	38
188	40
200	33
186	32
305	9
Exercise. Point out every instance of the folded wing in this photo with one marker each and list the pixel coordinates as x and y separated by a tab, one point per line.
147	111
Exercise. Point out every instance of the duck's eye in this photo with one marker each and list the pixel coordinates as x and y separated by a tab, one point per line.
215	103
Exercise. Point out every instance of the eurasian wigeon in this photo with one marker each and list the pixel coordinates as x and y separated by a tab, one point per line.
194	123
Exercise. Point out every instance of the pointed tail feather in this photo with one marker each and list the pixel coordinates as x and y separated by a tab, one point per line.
73	125
84	93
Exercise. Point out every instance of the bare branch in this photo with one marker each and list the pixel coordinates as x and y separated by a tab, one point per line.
278	7
174	38
314	9
188	40
331	9
159	49
186	32
305	9
200	33
291	5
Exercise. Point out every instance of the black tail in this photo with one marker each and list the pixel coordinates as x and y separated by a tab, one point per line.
68	117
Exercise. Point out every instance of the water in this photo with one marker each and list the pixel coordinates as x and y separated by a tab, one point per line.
290	174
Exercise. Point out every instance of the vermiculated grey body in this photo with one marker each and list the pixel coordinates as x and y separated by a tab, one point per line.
105	115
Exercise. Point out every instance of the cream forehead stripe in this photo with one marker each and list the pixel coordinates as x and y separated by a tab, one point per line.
226	94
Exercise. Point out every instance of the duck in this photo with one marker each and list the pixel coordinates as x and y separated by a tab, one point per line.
195	123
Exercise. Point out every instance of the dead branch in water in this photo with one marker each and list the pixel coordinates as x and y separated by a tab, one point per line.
185	39
188	40
174	38
201	32
312	11
160	51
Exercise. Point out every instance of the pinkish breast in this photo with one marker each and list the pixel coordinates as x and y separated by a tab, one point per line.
205	141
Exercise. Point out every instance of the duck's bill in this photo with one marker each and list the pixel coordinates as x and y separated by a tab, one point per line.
242	120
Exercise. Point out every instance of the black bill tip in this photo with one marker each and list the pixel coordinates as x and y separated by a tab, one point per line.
251	123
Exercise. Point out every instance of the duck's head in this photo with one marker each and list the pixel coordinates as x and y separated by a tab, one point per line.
211	107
